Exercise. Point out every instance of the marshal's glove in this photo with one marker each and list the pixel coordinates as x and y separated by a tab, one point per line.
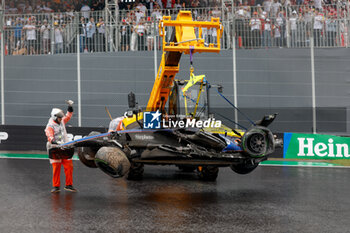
70	105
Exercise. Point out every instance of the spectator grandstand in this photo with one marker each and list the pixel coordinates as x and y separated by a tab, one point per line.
50	27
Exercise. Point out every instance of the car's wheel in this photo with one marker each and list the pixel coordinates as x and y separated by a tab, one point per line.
244	168
208	173
135	171
255	142
87	156
187	168
112	161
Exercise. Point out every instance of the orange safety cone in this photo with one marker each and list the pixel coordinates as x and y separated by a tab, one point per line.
240	42
342	40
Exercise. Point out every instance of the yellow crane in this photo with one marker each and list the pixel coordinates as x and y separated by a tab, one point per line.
186	38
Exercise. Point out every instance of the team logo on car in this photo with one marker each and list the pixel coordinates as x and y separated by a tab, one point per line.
151	120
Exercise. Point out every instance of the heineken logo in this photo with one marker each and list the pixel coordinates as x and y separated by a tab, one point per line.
322	149
315	146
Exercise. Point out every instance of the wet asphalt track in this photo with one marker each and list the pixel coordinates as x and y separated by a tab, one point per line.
271	199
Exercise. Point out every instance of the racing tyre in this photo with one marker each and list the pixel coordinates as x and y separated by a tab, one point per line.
208	173
112	161
87	154
256	142
244	168
135	171
187	168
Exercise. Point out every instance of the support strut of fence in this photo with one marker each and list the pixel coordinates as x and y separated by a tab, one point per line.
2	11
314	130
235	101
155	49
79	80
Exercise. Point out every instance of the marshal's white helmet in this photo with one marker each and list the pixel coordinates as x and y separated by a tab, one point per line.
55	113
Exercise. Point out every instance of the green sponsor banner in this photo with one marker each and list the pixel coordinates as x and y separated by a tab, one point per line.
315	146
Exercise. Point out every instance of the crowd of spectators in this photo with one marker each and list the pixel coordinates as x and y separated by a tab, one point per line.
271	22
258	23
45	26
49	6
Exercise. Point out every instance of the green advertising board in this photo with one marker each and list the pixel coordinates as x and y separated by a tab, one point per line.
315	146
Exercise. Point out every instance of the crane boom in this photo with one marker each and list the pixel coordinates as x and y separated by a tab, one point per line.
183	40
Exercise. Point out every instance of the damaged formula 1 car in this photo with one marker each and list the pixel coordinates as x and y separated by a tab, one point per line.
178	127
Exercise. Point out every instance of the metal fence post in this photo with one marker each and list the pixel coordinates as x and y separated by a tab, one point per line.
288	29
347	22
106	29
2	12
235	101
52	34
314	130
78	80
346	32
117	29
155	48
110	32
